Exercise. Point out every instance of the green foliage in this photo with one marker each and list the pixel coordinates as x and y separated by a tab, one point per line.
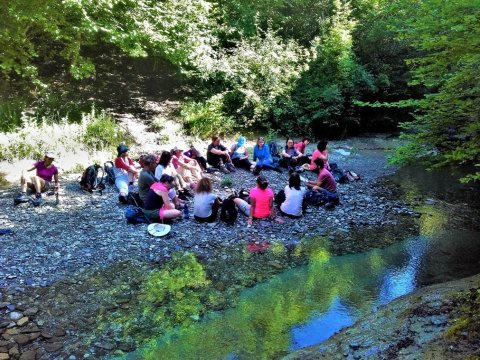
36	136
102	132
323	97
206	119
446	128
227	181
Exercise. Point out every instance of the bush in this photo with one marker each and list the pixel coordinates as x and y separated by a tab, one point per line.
35	137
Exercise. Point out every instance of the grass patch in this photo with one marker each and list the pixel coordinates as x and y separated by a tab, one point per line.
227	181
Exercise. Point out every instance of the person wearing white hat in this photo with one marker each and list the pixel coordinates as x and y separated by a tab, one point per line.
40	182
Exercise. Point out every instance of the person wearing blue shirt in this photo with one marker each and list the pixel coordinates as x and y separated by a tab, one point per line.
261	154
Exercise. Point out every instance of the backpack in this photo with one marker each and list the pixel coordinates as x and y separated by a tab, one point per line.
319	198
134	215
91	180
274	149
229	212
110	174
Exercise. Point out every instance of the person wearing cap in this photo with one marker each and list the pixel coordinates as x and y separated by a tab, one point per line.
125	172
193	153
239	155
40	182
185	166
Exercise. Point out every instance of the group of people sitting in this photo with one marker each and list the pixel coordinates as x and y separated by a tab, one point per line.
166	182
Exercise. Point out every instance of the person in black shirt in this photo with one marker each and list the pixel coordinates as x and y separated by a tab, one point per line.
218	156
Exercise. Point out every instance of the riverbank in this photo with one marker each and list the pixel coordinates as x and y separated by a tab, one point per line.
436	322
70	268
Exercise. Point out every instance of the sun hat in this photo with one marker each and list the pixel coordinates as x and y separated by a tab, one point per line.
156	229
50	155
122	148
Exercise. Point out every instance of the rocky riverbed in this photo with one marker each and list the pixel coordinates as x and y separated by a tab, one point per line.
67	266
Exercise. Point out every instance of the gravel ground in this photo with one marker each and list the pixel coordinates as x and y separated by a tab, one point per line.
89	231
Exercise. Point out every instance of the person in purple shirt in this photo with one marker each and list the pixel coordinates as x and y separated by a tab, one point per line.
40	182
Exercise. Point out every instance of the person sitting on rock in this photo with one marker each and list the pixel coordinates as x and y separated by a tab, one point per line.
125	172
239	155
261	154
187	168
158	205
40	182
193	153
147	177
320	153
205	203
218	156
290	199
261	202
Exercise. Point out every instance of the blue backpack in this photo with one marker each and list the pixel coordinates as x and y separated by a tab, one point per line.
134	215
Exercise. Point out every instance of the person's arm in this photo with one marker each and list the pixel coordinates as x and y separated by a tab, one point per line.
252	210
323	155
272	208
218	152
55	177
166	200
284	153
245	154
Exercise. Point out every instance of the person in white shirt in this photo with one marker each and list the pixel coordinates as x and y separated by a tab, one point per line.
205	203
290	200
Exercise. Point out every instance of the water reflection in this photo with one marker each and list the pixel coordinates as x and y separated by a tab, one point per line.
300	307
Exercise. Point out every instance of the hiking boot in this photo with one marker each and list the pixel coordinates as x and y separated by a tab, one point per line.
231	167
21	198
277	169
37	201
186	193
256	170
224	170
211	169
122	199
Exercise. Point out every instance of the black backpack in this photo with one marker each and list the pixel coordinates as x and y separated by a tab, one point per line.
274	149
229	212
92	179
110	174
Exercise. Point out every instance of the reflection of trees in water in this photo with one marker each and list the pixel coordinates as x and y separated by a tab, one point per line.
260	326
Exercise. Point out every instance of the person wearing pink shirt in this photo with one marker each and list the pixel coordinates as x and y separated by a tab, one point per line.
261	202
320	153
40	182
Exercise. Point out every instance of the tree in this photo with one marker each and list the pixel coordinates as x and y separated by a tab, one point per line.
446	127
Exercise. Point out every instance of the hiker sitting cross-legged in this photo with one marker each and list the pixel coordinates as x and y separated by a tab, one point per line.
291	156
290	200
125	172
218	156
325	186
40	182
158	205
261	154
205	203
239	155
261	202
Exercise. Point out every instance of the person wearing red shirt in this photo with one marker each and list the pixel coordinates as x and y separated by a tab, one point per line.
125	172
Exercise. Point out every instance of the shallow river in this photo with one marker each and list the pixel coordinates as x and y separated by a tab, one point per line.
306	305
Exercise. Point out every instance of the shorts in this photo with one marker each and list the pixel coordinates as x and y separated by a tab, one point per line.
47	185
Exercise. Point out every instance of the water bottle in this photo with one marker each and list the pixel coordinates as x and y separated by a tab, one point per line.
186	215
